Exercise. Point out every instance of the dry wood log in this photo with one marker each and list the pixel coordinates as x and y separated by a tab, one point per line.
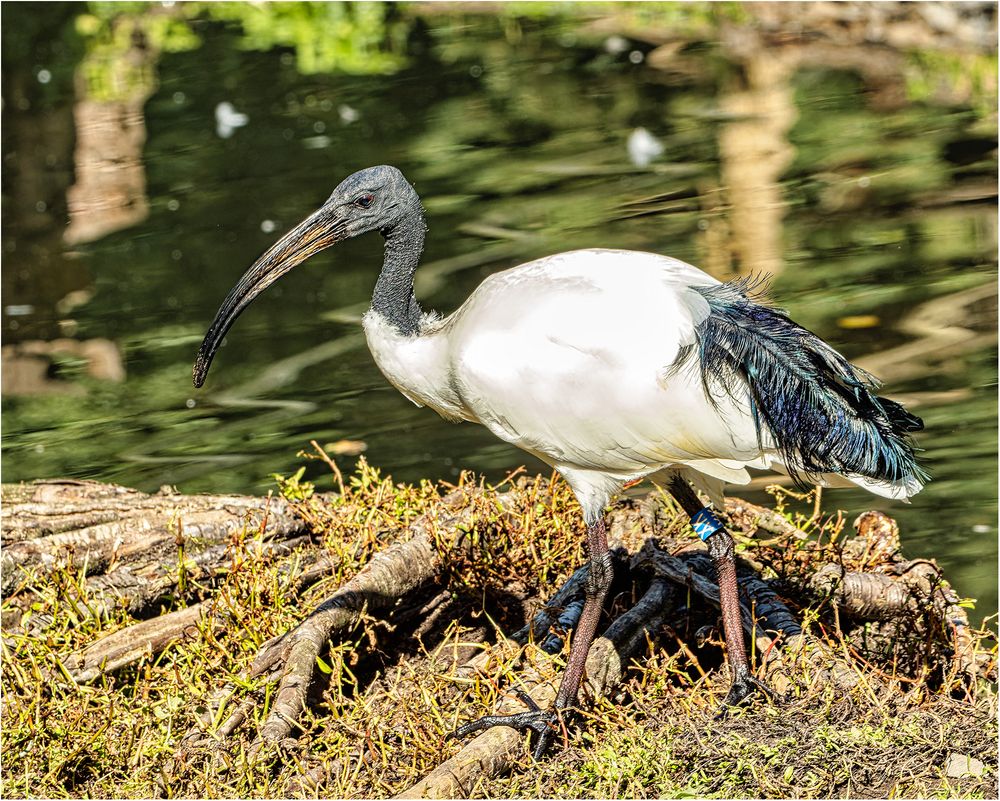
47	525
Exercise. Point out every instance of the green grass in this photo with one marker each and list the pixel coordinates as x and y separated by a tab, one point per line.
386	692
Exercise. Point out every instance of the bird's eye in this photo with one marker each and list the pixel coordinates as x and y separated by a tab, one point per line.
364	201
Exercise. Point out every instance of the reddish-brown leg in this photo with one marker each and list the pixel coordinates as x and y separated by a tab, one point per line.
722	550
546	722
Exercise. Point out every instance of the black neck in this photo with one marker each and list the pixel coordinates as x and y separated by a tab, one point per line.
393	297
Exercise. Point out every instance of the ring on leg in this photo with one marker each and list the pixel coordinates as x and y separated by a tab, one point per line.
722	550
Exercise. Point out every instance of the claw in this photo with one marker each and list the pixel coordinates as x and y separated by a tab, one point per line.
744	683
543	722
527	700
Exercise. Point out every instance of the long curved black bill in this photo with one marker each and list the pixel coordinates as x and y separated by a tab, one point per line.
318	231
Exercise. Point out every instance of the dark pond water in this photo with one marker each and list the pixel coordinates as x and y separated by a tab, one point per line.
871	204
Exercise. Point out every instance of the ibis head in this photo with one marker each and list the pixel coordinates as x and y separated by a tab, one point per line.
373	199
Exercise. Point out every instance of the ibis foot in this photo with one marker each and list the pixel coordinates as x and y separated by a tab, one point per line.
543	722
744	683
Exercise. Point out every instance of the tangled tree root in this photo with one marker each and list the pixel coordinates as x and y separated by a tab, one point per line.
134	548
401	579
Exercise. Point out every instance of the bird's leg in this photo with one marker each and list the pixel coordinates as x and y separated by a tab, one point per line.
722	549
546	722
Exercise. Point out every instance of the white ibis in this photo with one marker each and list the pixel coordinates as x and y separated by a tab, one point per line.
611	366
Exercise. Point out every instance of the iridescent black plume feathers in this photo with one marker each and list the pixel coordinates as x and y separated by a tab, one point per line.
820	410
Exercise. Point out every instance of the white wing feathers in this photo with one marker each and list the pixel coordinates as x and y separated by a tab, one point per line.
587	360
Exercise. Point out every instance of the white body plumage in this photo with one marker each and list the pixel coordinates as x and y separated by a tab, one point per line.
585	360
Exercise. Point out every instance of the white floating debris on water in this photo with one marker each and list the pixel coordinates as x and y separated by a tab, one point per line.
615	45
642	147
228	119
19	310
348	114
316	142
268	226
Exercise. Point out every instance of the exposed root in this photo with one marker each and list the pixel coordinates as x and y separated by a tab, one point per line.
390	575
145	639
148	638
387	663
291	658
493	751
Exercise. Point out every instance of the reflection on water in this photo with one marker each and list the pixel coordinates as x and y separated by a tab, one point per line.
754	153
857	170
111	88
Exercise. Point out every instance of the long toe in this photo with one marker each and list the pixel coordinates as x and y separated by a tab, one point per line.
543	722
742	687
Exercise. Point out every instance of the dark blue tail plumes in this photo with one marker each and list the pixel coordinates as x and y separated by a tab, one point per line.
820	410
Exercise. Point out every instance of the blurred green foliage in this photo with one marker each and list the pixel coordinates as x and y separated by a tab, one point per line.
357	38
968	76
114	30
683	18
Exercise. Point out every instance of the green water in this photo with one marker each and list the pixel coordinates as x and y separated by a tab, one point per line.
872	202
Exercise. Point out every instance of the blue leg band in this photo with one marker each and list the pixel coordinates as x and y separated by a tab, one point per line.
705	524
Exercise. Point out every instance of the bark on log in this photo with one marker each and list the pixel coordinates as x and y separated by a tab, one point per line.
47	525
